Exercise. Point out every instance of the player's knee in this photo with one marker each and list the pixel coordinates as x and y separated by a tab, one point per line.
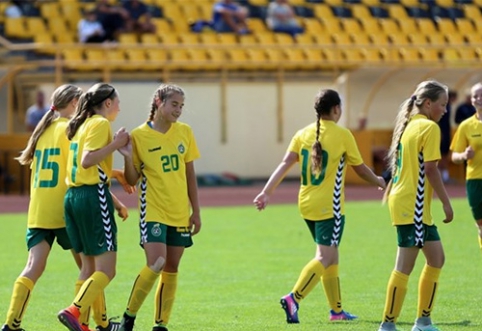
158	265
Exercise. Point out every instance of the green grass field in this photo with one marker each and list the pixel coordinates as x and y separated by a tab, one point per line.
243	261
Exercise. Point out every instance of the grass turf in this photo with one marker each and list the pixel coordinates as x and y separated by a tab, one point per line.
243	261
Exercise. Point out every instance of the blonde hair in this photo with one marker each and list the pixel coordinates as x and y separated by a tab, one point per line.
60	99
164	92
430	90
90	102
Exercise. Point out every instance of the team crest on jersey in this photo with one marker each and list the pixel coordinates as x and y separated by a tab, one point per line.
181	148
156	230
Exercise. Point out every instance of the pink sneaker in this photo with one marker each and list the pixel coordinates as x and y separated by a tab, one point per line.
341	316
290	306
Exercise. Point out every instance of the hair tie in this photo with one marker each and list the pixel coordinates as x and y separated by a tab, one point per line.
413	97
53	108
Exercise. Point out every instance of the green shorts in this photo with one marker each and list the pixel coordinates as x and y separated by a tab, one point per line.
406	234
154	232
35	236
327	232
89	216
474	195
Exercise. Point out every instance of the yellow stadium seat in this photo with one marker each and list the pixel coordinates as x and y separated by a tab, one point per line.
179	59
283	39
332	25
169	39
256	25
361	12
257	59
227	38
216	57
70	11
397	12
181	25
323	11
455	39
157	59
295	58
266	38
95	59
342	39
205	11
464	25
445	3
208	39
467	54
426	25
399	39
275	55
65	38
380	39
436	39
149	39
238	59
15	28
417	39
314	57
57	24
446	25
332	57
162	26
353	55
259	2
35	25
172	11
474	38
350	25
430	54
117	60
408	26
46	41
334	2
371	26
410	55
248	39
312	25
3	6
198	60
371	55
136	59
450	54
128	39
410	3
371	2
391	54
50	10
478	25
73	58
360	38
189	38
304	39
472	12
323	39
389	26
191	11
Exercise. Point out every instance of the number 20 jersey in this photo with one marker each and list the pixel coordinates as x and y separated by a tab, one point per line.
161	160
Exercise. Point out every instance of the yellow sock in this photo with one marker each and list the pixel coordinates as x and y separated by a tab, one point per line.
90	290
165	294
142	286
308	279
396	290
331	285
427	290
22	288
480	242
99	311
85	317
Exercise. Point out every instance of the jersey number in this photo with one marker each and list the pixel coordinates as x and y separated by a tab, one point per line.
399	164
170	162
43	163
75	148
306	167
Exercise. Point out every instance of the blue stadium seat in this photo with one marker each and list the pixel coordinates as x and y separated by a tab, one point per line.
258	11
428	2
455	13
390	1
303	11
463	2
314	1
352	2
379	12
439	12
417	12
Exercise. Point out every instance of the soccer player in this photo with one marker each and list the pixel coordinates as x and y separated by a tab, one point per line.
89	205
413	157
466	148
323	150
163	154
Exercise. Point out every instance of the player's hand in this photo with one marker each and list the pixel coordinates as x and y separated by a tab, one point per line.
469	153
119	175
122	212
382	184
449	213
261	201
121	137
195	223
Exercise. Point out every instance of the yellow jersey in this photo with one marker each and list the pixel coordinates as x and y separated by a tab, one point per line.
95	133
322	196
161	160
469	133
47	182
410	197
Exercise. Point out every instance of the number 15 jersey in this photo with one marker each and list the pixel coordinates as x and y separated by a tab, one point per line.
161	160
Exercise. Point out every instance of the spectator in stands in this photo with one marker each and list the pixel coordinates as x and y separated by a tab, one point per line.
228	16
465	110
112	18
36	111
139	17
89	29
14	9
446	134
281	18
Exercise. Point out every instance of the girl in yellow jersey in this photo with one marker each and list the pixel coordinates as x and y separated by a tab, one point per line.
323	150
467	146
162	159
46	153
413	157
89	205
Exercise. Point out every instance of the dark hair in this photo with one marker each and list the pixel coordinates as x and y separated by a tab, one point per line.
60	99
90	102
164	92
324	102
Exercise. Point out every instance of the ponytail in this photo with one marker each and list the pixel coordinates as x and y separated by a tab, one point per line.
317	149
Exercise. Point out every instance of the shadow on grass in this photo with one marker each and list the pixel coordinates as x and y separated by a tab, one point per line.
461	323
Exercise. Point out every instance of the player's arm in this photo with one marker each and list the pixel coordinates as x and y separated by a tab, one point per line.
192	191
120	207
435	179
